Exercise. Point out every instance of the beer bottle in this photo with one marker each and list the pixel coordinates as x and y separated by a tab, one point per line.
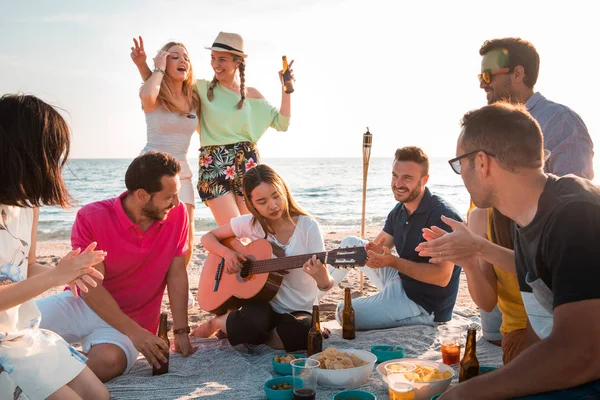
288	84
162	333
348	330
469	366
315	337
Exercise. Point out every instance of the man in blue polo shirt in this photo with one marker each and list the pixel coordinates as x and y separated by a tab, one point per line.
412	290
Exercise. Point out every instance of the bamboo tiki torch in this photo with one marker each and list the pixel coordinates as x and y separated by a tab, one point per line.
367	141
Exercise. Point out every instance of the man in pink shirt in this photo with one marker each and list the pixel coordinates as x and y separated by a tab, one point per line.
144	232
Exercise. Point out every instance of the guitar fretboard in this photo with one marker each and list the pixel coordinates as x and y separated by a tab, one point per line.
278	264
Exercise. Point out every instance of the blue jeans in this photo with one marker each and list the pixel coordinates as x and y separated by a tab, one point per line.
490	324
389	308
588	391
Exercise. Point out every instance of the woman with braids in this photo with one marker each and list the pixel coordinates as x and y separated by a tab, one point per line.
233	119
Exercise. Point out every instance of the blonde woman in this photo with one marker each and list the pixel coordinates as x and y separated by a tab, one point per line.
171	107
233	118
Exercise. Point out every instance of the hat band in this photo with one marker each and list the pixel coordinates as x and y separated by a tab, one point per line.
224	46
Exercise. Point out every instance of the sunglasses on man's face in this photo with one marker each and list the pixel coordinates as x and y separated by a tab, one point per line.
486	75
455	162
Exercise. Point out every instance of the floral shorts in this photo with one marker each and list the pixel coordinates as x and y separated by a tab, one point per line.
223	167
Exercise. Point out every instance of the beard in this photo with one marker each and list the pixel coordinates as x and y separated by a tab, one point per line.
502	93
410	196
153	212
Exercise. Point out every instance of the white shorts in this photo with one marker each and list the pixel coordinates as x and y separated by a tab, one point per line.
76	322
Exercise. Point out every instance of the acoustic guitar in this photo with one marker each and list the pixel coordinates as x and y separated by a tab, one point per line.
260	276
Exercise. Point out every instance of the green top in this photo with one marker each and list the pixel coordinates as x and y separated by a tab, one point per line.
222	123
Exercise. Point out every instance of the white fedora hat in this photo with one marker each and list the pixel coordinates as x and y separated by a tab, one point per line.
229	42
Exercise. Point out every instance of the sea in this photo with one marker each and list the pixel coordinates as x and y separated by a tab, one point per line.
331	189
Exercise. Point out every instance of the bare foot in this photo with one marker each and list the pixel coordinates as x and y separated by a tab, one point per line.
220	334
204	330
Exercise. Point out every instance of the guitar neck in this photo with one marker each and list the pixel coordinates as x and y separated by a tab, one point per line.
280	264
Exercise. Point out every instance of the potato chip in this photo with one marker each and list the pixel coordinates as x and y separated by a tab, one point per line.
331	358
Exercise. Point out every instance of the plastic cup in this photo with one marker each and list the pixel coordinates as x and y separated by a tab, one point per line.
450	337
401	391
307	370
400	371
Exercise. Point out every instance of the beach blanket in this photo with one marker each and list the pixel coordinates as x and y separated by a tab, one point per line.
219	371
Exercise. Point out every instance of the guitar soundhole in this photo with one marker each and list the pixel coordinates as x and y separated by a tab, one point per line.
245	272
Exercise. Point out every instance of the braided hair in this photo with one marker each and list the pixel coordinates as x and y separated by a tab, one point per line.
242	69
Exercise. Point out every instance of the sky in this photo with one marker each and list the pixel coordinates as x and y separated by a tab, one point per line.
408	71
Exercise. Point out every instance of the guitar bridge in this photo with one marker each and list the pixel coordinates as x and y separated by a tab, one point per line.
218	274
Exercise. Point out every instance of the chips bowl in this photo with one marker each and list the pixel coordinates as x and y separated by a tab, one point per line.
423	390
284	368
350	377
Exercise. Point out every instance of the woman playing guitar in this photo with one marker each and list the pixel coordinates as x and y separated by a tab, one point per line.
284	321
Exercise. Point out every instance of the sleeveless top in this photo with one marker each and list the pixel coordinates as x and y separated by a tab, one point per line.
170	132
510	303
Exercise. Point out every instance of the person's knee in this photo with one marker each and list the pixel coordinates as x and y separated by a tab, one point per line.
107	361
351	241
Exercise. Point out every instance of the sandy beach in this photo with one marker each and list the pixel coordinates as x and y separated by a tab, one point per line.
49	252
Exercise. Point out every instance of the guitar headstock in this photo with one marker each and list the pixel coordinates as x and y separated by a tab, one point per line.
348	257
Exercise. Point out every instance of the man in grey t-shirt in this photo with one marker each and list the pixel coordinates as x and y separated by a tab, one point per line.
509	72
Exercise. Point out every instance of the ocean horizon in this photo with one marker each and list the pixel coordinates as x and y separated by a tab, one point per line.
328	188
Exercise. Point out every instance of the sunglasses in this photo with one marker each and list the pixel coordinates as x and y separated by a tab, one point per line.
455	162
486	76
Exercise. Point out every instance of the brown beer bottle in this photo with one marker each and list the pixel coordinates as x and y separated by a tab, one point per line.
348	330
315	337
469	366
288	84
162	333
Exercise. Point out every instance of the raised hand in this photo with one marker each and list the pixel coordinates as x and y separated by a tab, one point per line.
457	246
138	54
291	73
160	61
148	344
79	267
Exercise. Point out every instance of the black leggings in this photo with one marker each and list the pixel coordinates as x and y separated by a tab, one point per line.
253	322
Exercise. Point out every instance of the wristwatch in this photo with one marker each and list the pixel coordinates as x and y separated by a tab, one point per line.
181	331
158	70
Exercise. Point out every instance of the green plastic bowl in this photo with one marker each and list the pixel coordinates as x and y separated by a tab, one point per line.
386	352
486	368
354	394
284	369
287	394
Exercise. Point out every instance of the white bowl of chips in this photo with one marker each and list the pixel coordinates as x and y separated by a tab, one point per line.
431	377
344	369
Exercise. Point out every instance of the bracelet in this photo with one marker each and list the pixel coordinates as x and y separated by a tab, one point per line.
159	70
329	285
181	331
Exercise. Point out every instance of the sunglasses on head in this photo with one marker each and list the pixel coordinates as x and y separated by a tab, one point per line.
455	162
486	76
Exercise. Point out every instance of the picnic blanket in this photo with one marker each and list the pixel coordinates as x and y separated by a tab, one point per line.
219	371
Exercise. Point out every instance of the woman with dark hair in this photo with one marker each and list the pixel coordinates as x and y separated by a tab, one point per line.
34	146
284	321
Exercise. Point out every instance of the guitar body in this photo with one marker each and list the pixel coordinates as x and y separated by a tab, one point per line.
234	290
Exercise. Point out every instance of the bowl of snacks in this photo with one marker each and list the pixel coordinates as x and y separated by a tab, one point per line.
386	353
281	388
354	395
344	369
281	363
431	377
